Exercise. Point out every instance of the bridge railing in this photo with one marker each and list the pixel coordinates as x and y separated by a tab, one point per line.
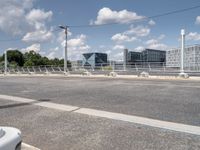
134	68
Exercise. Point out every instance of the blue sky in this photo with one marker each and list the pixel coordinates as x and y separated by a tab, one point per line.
34	23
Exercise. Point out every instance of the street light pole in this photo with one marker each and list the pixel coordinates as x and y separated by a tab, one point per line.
182	74
5	62
182	50
65	28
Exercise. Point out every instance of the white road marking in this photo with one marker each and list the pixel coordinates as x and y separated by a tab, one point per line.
111	115
28	147
57	106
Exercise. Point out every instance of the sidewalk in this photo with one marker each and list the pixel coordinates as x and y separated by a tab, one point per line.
104	76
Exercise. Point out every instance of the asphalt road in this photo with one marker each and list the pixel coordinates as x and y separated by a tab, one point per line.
175	101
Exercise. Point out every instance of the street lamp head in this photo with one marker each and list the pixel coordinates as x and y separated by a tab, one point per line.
183	32
63	27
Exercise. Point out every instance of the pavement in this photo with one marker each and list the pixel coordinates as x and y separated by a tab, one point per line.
49	128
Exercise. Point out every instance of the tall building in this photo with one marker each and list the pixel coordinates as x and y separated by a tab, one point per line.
95	59
191	57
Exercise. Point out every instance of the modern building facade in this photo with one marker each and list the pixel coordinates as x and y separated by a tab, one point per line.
191	57
147	55
152	55
95	59
134	56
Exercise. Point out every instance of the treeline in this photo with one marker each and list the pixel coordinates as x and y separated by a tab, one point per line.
16	58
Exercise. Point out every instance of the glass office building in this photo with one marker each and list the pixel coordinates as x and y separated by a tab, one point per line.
147	55
94	59
152	55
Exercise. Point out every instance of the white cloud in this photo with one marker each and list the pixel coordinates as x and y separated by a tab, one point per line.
161	37
38	36
61	36
194	36
151	41
198	20
132	34
159	46
108	52
152	23
18	17
106	15
37	18
119	47
119	38
34	47
12	16
156	44
118	56
139	31
139	48
77	46
51	55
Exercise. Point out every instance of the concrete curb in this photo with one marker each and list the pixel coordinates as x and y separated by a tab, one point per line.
28	147
103	76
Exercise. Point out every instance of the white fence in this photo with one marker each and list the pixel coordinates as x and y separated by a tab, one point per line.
136	68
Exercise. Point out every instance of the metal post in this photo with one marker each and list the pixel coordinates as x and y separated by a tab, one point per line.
182	73
65	52
5	63
182	50
65	60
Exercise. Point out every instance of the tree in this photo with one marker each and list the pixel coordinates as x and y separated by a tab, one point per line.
15	56
32	59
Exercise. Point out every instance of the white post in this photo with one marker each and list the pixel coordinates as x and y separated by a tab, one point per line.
5	63
182	50
65	53
182	74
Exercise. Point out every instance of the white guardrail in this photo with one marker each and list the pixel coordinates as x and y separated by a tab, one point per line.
136	68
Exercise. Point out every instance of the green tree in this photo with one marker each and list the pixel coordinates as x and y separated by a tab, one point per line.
15	56
32	59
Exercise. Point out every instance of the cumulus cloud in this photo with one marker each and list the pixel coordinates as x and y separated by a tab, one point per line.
38	18
18	17
51	55
77	46
118	47
61	36
118	56
161	37
33	47
159	46
119	38
194	36
132	34
139	48
140	31
198	20
38	36
12	16
106	15
151	41
156	43
152	23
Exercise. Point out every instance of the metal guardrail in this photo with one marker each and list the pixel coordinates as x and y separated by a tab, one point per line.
137	68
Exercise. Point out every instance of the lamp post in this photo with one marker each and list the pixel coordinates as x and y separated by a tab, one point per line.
65	52
5	62
182	50
182	73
